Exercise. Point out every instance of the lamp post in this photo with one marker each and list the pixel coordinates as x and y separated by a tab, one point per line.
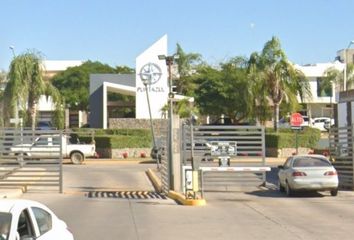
147	79
345	65
169	62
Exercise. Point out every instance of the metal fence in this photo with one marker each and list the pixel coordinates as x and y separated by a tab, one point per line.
162	145
227	156
31	159
341	151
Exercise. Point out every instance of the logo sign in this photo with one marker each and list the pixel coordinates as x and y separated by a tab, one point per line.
296	120
150	73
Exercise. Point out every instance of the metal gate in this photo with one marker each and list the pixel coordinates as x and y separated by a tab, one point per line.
341	152
227	156
31	159
162	157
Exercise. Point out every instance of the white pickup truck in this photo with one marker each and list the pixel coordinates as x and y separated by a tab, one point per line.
49	147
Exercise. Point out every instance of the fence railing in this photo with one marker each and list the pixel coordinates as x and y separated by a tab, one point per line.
341	152
31	159
235	149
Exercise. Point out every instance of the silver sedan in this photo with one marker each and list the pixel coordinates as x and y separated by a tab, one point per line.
307	173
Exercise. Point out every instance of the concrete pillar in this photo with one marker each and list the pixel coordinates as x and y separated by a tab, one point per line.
176	151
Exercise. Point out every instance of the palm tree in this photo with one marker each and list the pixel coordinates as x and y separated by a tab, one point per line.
3	77
186	67
26	85
333	75
277	77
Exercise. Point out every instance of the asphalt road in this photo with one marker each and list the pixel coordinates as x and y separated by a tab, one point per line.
250	213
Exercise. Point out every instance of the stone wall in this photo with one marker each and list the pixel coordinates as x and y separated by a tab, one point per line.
132	123
124	153
160	126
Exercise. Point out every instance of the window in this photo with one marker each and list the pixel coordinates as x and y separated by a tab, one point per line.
5	224
44	220
43	141
25	226
324	89
311	162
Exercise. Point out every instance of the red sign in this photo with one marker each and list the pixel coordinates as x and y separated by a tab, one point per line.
296	119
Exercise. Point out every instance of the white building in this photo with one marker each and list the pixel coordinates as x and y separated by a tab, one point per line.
45	105
322	102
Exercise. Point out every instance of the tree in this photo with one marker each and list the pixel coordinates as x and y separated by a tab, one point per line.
278	78
186	64
26	85
333	75
225	90
74	83
3	76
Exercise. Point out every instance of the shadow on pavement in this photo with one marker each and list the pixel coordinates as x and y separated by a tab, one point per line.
271	193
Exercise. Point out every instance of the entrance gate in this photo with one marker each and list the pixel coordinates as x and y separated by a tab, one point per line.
227	156
31	159
341	151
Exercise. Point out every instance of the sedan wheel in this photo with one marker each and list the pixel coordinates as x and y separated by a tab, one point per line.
280	187
288	190
334	192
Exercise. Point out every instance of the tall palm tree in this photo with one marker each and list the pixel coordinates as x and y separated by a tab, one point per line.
186	67
277	78
26	85
3	77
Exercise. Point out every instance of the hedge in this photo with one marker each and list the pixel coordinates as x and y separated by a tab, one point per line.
307	137
141	138
118	138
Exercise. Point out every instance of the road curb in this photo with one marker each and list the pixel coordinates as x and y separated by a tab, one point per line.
178	197
11	193
154	180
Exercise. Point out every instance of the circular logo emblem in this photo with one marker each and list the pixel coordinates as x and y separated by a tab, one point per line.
150	73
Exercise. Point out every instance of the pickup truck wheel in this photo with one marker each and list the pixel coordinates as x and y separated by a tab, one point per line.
77	158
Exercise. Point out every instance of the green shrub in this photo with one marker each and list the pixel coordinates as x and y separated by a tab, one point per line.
117	138
286	138
101	141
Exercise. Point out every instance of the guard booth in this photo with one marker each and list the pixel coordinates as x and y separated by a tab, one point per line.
227	157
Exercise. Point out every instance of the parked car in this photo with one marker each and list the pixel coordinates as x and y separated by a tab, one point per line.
44	125
307	173
25	219
306	121
49	145
328	125
320	122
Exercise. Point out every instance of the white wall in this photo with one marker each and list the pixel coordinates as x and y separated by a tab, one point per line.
342	114
158	92
312	72
45	104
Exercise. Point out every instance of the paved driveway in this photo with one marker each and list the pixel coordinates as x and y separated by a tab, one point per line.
250	213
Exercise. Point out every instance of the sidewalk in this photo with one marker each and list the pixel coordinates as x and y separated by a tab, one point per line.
10	192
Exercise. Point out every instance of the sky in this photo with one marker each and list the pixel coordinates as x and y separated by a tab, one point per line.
115	32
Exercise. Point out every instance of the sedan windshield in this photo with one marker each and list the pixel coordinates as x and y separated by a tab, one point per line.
311	162
5	224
